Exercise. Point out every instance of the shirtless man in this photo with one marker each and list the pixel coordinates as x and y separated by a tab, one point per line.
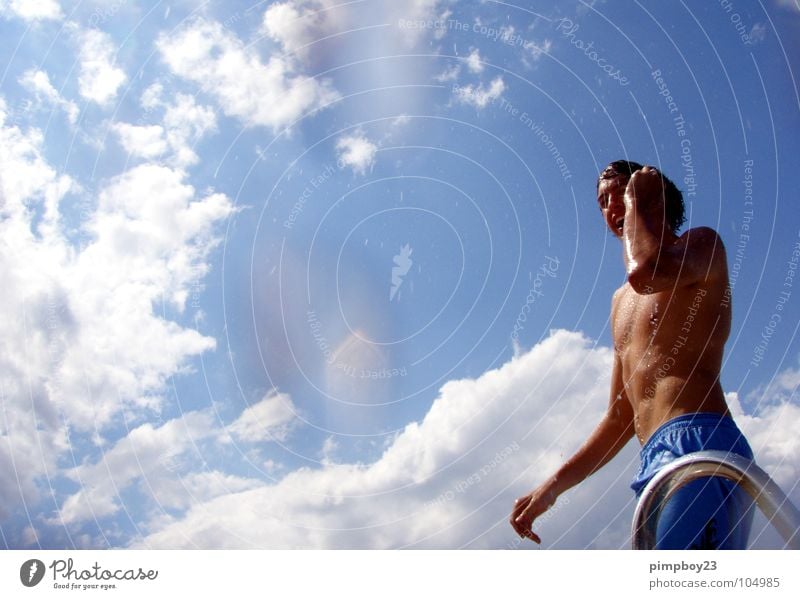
670	321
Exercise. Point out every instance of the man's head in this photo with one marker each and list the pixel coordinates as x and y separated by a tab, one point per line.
611	191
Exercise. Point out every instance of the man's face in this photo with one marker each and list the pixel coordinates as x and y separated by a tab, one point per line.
611	199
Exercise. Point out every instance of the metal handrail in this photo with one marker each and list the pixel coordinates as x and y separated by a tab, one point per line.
745	473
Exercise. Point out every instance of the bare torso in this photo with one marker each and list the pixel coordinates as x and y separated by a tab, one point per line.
670	344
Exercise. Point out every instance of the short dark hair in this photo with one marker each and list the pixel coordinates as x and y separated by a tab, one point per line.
674	208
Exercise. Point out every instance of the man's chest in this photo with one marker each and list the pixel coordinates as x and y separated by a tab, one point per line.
636	318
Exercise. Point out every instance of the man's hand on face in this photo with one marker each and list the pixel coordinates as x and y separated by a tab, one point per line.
645	190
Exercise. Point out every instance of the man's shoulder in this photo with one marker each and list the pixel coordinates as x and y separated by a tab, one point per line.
702	237
703	246
703	242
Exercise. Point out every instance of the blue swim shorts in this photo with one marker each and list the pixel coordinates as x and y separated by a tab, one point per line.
708	513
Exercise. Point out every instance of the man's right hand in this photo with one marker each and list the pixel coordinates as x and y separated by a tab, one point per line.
646	189
530	507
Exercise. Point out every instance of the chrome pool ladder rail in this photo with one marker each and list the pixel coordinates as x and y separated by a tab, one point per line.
767	495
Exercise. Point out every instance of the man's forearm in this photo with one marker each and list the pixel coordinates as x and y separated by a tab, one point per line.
642	243
608	438
647	262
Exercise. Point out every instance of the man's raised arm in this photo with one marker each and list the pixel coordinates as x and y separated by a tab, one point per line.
655	258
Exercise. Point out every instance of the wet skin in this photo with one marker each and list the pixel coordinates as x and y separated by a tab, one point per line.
670	321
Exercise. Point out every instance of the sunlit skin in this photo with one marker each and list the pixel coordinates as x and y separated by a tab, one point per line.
670	321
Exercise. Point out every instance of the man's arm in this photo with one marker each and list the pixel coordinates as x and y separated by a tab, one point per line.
654	259
608	437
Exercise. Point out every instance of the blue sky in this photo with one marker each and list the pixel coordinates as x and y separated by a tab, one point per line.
322	274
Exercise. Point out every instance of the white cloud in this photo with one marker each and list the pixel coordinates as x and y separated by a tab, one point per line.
480	96
758	32
417	11
78	325
771	432
180	492
296	24
440	32
151	97
449	74
26	176
447	481
146	452
768	428
145	141
246	88
401	120
151	235
329	448
284	23
31	431
537	50
775	444
149	217
38	83
32	10
187	119
308	29
98	79
357	152
159	459
474	61
781	388
451	479
266	420
184	124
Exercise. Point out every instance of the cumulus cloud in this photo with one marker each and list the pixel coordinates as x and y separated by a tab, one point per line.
184	123
78	325
297	24
357	152
32	10
98	78
270	94
266	420
758	32
418	11
160	458
480	96
474	61
450	479
449	74
31	432
447	481
146	141
775	444
146	452
306	29
38	83
537	50
440	32
26	175
770	430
